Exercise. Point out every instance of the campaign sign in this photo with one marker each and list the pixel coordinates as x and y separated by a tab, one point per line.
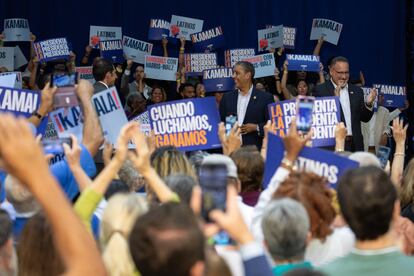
303	63
16	29
366	91
232	56
186	124
21	102
112	50
7	58
67	121
289	37
325	116
103	33
321	162
85	73
329	29
184	26
394	96
270	38
10	79
218	80
51	49
143	120
211	39
158	29
19	58
195	64
51	132
264	65
110	112
161	68
136	49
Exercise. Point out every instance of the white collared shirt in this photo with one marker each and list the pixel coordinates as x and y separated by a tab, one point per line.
346	106
104	84
242	103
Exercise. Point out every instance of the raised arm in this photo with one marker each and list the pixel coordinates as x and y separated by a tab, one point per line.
92	130
85	58
317	50
399	132
46	105
164	46
181	54
141	161
286	92
24	160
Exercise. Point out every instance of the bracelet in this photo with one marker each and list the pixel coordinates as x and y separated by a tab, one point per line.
286	162
399	154
182	49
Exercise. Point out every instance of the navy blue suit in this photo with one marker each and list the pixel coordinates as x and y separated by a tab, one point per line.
256	113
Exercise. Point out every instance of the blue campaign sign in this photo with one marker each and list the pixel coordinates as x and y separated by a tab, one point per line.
186	124
196	63
21	102
326	114
393	95
303	63
321	162
158	29
211	39
218	80
112	50
52	49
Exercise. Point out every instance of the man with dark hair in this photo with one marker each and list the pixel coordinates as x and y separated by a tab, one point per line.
369	205
139	85
354	109
248	104
168	241
8	258
187	91
104	74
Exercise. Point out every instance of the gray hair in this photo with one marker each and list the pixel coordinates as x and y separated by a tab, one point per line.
285	227
181	184
365	159
247	67
20	197
130	176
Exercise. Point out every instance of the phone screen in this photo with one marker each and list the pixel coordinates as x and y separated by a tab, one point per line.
230	121
213	182
383	155
55	146
304	109
65	95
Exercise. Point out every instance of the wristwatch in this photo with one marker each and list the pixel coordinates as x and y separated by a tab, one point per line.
258	129
37	115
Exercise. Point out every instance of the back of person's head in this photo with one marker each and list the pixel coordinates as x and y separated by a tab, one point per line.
367	198
168	160
20	197
118	218
116	186
37	254
365	159
168	241
130	176
407	186
101	67
182	185
312	191
196	159
285	227
250	168
8	258
215	265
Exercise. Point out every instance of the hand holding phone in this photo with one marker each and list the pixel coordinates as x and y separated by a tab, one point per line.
65	95
55	146
304	109
230	121
383	155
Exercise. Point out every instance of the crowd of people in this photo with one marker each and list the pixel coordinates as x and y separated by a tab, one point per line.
141	211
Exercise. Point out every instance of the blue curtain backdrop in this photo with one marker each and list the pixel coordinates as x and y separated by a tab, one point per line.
373	36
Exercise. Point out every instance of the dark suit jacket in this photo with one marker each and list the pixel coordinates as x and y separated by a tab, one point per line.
256	113
98	87
359	112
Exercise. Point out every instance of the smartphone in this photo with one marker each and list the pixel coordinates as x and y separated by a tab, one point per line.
55	146
230	121
65	95
383	155
304	109
213	182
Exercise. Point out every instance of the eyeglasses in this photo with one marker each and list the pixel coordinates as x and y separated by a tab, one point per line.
342	73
